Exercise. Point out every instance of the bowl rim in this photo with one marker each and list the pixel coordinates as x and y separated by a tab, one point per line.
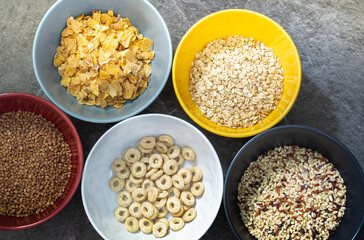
221	132
251	141
93	223
80	157
90	119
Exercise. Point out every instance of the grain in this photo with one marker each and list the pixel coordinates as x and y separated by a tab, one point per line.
291	193
236	82
35	164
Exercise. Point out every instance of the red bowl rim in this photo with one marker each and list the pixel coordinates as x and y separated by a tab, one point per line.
80	158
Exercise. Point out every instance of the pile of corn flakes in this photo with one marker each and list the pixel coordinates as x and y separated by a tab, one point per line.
103	59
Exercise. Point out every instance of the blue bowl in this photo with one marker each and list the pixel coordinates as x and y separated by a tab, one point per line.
142	15
307	137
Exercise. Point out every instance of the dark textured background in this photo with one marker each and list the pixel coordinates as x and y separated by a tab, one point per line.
329	36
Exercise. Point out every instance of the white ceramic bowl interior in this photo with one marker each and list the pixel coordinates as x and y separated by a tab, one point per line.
142	15
100	202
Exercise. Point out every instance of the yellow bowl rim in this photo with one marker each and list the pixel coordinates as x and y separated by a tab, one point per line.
236	134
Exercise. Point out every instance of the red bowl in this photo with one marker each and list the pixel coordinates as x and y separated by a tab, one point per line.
27	102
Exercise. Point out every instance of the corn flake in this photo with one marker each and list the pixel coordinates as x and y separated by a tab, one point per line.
103	59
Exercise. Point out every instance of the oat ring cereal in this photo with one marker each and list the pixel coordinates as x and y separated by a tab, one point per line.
121	213
197	189
147	209
196	173
118	165
170	167
160	202
131	224
185	174
187	198
147	142
189	215
173	151
135	180
138	169
156	161
174	192
116	184
132	155
147	184
164	182
180	160
179	213
162	212
135	209
123	173
188	154
164	221
124	198
163	194
176	223
130	186
146	225
166	140
139	194
156	175
159	230
178	182
173	205
161	147
152	194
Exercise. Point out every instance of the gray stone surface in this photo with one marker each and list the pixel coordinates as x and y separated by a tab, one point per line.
329	35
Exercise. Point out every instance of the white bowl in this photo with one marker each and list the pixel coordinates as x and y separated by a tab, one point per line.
100	202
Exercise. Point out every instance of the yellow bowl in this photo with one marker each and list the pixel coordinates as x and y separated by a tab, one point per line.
229	23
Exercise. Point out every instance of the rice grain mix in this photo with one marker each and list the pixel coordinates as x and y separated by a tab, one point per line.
35	163
236	82
291	192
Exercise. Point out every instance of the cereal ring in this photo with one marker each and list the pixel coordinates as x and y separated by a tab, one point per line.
147	184
173	151
121	213
179	213
164	221
124	173
173	205
139	194
186	207
174	192
197	189
147	209
170	167
166	140
188	154
147	142
146	225
132	155
185	174
163	194
118	165
196	173
155	212
180	160
138	169
144	160
156	175
145	150
135	180
156	160
164	157
150	172
189	215
131	224
160	202
162	212
187	198
152	194
164	182
124	198
159	230
176	223
135	210
178	182
116	184
130	186
161	147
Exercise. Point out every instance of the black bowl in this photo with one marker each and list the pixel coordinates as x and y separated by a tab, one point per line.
307	137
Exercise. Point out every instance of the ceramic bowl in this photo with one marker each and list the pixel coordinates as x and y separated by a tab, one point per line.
142	15
307	137
27	102
229	23
100	202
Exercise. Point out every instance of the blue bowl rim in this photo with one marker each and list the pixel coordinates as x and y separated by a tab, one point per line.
252	140
110	120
